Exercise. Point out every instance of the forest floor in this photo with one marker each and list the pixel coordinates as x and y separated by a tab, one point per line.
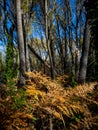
44	104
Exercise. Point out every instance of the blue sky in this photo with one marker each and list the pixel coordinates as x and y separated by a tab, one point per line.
37	32
2	49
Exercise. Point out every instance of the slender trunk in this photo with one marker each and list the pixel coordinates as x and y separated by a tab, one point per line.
76	56
25	32
85	52
20	43
72	53
61	49
27	50
48	41
65	54
77	63
39	57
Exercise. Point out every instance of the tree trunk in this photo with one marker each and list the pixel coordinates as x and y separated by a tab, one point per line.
77	63
48	40
20	43
85	52
25	33
61	53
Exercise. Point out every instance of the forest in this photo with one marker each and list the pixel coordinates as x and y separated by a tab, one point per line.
48	65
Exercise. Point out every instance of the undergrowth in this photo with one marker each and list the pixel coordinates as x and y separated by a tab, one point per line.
44	104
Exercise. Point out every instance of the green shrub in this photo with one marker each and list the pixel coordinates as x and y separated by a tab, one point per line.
19	99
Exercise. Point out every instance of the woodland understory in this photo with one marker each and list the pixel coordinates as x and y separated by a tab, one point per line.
43	104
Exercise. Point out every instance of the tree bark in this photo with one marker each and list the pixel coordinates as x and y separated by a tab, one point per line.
20	43
38	57
48	41
85	52
25	33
